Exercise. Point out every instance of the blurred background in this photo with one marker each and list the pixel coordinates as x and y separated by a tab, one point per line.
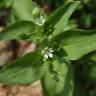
85	68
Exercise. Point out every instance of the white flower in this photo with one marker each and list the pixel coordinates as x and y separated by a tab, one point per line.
47	52
40	20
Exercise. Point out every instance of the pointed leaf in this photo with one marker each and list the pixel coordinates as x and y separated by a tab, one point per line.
59	19
23	71
77	43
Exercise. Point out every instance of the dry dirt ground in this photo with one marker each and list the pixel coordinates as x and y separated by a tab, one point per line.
6	55
24	90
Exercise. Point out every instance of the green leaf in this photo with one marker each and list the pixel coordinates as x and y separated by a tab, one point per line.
19	30
58	79
26	11
23	12
24	70
60	18
66	28
77	43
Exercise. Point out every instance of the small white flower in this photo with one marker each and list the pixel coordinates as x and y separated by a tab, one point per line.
40	20
47	52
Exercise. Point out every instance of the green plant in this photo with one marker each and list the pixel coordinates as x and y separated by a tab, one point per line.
86	9
57	41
